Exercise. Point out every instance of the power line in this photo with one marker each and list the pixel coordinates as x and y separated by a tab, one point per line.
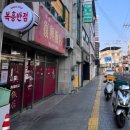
127	19
125	28
112	24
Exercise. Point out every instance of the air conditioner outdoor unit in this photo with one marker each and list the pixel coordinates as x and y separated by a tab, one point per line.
69	43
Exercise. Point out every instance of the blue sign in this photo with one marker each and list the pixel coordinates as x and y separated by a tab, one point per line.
107	59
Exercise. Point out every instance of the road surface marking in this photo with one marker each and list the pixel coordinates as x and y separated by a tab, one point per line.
93	120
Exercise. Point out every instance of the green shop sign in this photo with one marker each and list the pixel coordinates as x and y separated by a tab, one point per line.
87	13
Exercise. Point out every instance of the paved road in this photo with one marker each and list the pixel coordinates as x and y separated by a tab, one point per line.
107	118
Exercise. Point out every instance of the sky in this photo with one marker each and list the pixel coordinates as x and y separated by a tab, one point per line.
113	15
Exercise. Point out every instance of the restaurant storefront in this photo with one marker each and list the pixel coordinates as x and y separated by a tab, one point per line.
29	68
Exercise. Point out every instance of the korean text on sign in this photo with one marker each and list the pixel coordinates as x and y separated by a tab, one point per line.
13	16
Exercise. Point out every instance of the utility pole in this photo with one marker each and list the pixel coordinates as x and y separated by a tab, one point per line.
89	42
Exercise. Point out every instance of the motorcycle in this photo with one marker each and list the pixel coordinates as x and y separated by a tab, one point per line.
108	91
121	104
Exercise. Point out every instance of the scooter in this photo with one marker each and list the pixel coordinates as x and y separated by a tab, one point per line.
108	89
121	104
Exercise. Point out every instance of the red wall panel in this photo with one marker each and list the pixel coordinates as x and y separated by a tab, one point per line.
50	80
15	79
38	94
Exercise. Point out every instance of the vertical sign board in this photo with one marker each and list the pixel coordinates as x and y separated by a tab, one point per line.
88	15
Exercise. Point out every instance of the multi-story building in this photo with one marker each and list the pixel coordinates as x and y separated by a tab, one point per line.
111	57
88	46
97	45
42	52
129	54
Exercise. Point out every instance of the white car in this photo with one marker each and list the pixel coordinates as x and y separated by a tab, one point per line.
109	72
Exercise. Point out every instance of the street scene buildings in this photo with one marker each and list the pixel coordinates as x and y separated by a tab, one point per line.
111	57
53	75
114	57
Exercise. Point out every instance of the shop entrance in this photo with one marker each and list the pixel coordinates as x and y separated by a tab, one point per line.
15	81
86	74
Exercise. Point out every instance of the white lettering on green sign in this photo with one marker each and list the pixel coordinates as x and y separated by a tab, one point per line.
87	13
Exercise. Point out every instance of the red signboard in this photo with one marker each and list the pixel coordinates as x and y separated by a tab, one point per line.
49	33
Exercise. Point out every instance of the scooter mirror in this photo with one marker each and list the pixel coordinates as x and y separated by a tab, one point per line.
104	81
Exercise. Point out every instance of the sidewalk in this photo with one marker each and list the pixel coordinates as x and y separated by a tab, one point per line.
25	119
55	104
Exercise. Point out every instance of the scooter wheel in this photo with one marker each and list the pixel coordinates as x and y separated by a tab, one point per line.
120	120
107	97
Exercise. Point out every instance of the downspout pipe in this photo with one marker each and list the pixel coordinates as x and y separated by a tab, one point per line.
81	20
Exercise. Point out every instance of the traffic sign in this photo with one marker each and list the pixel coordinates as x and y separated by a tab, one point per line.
107	59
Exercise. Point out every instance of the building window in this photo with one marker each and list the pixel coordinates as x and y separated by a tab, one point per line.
59	11
58	6
67	20
54	13
63	13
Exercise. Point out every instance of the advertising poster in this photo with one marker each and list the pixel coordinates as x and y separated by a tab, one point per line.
4	76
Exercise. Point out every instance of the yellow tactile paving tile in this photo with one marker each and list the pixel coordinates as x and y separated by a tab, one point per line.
94	115
97	100
93	120
93	124
95	110
98	93
93	128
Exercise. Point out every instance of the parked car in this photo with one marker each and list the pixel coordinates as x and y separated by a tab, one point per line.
109	72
